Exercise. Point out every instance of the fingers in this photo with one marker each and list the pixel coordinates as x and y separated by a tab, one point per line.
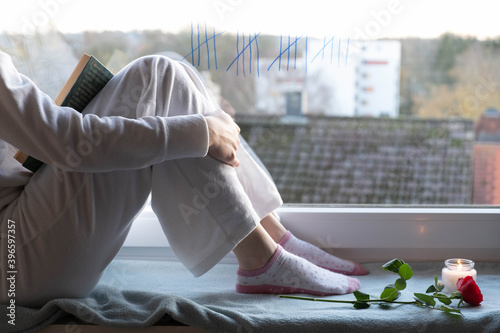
229	159
234	163
229	155
223	138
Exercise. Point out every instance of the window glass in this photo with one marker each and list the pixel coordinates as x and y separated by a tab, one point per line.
363	102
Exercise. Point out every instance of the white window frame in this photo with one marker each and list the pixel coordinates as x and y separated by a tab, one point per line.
365	234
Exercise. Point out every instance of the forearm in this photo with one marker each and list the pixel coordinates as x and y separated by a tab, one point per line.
67	139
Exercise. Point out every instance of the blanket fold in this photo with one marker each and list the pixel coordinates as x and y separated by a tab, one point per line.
138	294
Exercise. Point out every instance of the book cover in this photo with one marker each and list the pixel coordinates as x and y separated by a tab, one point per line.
87	79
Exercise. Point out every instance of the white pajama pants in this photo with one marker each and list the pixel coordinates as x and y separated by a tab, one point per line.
69	226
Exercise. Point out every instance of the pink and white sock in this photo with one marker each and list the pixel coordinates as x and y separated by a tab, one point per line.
286	273
319	257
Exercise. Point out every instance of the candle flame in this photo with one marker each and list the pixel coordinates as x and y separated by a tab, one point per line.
459	266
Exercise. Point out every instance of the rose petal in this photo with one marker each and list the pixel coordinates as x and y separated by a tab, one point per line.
470	291
459	283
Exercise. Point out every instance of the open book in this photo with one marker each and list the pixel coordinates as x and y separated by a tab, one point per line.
87	79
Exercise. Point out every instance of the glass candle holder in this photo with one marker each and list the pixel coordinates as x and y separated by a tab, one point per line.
455	269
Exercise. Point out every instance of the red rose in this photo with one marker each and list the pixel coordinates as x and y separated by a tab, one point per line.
470	291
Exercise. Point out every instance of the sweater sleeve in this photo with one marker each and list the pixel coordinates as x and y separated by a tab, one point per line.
63	137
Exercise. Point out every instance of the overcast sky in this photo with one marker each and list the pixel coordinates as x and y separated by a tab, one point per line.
353	19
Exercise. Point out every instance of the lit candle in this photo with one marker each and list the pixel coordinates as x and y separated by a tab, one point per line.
455	269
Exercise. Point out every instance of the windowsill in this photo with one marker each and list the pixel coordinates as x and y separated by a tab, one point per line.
362	233
215	291
413	233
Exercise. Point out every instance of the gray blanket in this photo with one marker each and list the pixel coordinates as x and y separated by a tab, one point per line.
135	294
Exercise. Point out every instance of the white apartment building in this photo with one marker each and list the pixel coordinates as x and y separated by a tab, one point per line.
356	78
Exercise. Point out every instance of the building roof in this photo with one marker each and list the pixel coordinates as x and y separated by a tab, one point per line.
486	174
365	160
488	126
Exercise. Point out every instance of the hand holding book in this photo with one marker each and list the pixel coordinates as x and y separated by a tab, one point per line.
87	79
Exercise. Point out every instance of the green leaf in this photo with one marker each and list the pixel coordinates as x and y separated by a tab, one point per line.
393	265
451	310
400	284
429	300
456	295
361	305
443	299
435	280
390	293
431	289
405	271
361	296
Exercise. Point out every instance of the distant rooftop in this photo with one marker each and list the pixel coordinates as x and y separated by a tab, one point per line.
487	173
365	160
488	126
492	113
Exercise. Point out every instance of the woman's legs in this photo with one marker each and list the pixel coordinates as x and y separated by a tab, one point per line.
69	226
274	227
204	210
308	251
255	250
265	267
